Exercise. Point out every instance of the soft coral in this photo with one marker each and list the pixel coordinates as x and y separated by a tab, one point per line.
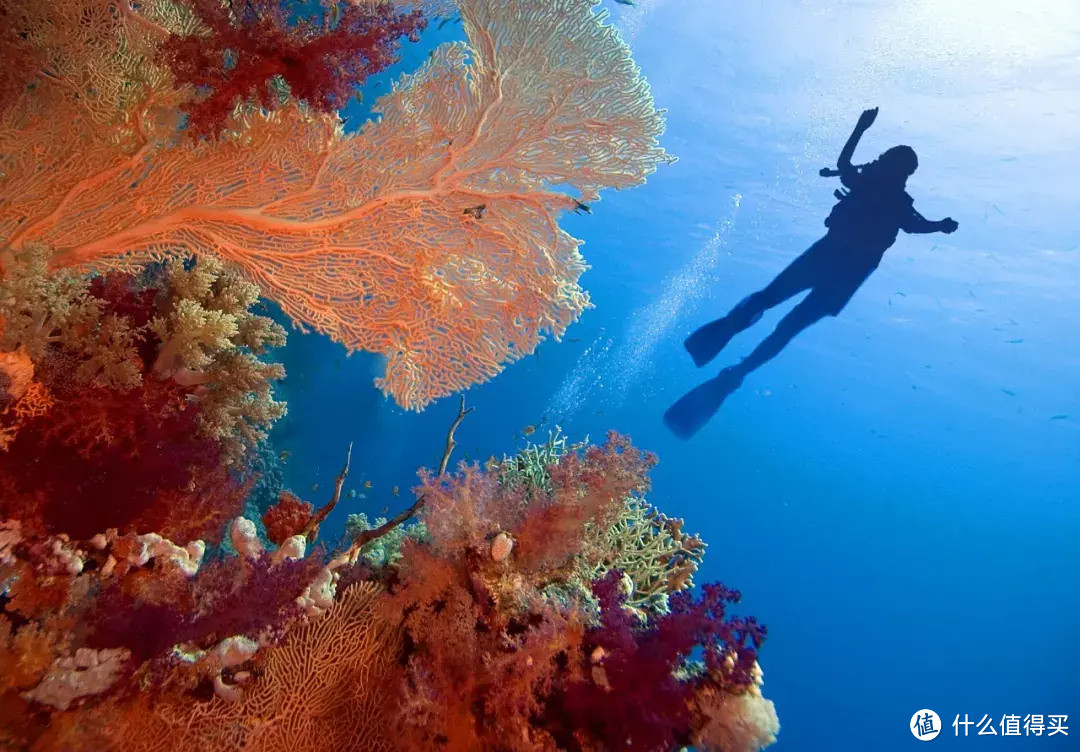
633	699
255	41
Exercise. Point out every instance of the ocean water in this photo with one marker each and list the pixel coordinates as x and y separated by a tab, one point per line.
897	494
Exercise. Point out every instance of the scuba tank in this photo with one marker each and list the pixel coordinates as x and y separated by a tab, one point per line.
844	209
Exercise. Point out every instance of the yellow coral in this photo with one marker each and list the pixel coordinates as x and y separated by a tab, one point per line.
41	308
211	340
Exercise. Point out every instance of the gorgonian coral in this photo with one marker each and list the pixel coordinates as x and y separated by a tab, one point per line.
370	237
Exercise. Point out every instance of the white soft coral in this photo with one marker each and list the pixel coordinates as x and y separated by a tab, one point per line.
744	722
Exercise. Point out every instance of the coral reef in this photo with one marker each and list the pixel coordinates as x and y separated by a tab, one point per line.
141	395
240	48
452	643
373	238
165	162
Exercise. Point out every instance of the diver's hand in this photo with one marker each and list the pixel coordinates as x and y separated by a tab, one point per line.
867	118
948	225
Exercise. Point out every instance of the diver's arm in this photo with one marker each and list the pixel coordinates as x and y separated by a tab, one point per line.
848	173
917	224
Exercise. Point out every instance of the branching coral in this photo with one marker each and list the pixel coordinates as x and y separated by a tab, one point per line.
366	236
385	550
651	549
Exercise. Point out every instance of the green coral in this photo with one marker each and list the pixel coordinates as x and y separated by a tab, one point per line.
211	340
650	548
529	468
40	308
385	550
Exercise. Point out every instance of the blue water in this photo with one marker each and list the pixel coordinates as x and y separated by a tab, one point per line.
897	494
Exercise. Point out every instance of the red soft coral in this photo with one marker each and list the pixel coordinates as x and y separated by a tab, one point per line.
106	459
288	517
253	41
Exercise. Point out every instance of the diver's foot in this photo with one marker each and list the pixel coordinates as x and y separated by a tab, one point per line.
690	414
707	342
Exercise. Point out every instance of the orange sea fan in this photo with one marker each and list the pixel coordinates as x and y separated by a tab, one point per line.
323	690
430	237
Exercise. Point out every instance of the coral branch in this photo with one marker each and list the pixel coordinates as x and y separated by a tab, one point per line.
311	530
450	442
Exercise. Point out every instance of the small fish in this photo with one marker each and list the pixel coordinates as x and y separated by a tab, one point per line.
491	464
352	493
578	206
1009	392
314	487
284	454
573	339
1062	416
625	2
395	491
1014	341
367	484
528	430
385	511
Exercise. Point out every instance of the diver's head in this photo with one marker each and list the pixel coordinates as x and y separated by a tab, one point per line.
899	161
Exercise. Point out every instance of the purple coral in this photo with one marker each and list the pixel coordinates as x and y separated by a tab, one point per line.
632	698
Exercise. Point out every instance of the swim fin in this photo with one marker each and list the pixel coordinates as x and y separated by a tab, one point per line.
707	342
696	408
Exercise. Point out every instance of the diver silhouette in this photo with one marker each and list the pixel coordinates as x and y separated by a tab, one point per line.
861	227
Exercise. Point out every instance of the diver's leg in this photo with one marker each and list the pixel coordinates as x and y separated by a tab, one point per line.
707	342
687	416
816	306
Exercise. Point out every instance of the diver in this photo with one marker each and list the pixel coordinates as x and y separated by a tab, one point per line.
861	227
